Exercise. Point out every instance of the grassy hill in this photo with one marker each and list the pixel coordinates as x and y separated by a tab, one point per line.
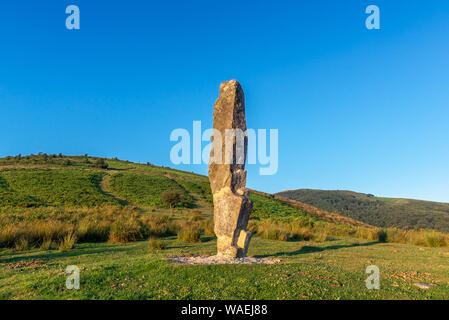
376	211
107	216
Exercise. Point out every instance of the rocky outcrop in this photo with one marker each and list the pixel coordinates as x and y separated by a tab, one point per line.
227	173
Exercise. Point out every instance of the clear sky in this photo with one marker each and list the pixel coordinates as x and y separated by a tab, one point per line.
357	109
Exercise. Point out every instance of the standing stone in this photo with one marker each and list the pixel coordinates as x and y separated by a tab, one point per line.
228	178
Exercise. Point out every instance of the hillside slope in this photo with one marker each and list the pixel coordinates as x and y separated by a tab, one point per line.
376	211
110	199
81	181
332	217
106	216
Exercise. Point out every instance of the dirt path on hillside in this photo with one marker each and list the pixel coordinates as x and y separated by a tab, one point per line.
106	190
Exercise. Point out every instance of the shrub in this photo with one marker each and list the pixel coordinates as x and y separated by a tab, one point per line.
365	233
100	163
382	236
156	244
146	190
126	230
90	230
434	239
47	244
301	233
8	236
196	216
275	230
68	242
189	233
22	245
158	225
208	227
252	226
171	198
320	237
396	235
33	232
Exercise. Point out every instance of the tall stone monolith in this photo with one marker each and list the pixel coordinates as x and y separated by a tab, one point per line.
227	173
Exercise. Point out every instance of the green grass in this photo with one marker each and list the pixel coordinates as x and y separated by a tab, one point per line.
198	188
329	270
11	198
266	207
146	190
168	171
35	187
39	194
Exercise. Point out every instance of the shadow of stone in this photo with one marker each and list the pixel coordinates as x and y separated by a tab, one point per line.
177	247
312	249
207	238
56	254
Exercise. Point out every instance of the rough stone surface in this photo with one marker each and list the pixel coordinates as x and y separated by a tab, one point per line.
228	178
222	260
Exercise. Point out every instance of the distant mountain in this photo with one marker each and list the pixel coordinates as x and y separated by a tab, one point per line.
381	212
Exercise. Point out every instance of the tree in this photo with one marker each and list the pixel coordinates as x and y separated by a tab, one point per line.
100	163
171	197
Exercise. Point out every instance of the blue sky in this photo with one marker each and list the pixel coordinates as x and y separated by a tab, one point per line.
357	109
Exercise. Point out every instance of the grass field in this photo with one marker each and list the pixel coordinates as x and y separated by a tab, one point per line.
330	270
29	188
57	211
147	189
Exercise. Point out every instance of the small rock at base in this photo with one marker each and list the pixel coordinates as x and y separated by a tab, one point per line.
424	286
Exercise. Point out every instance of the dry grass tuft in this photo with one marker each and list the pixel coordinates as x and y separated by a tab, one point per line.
189	233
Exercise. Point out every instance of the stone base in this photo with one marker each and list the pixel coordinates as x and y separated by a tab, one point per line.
228	247
208	260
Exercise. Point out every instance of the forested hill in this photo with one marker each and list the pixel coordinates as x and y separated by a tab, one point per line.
377	211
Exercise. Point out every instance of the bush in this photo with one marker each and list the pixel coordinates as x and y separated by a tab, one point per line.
435	239
34	233
90	230
171	198
158	225
156	244
146	190
208	227
301	233
47	244
382	236
196	216
126	230
68	242
282	231
8	236
189	233
396	235
22	245
100	163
